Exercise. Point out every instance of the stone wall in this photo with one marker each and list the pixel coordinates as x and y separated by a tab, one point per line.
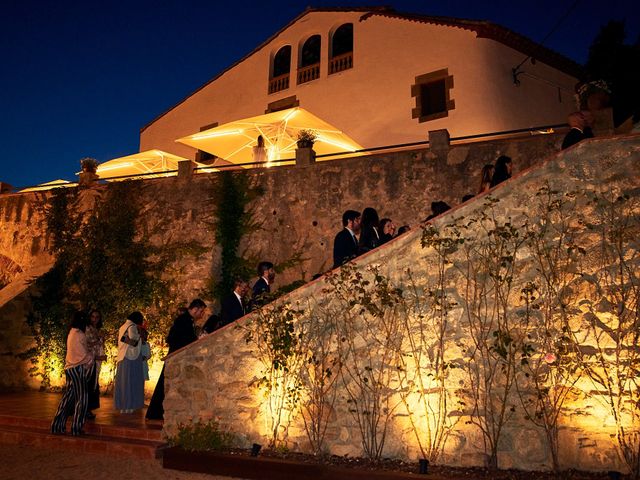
299	213
219	375
23	236
300	210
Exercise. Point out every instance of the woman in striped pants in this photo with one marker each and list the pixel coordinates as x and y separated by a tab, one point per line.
77	369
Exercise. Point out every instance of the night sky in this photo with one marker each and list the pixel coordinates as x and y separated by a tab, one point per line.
80	79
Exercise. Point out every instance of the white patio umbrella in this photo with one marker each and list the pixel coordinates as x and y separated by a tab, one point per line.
50	185
234	141
155	162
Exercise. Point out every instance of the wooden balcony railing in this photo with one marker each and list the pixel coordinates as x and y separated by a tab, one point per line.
341	62
306	74
281	82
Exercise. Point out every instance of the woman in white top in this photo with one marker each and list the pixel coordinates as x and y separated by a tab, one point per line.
128	394
259	152
77	369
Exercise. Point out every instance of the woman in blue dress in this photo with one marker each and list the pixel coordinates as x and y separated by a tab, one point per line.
128	393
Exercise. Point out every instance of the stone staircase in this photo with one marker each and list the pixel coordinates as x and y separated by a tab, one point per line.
106	435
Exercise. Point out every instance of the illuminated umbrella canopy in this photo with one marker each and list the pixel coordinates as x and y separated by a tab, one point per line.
50	185
156	163
234	141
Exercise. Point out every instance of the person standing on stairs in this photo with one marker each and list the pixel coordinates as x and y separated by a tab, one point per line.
79	363
128	392
181	334
345	245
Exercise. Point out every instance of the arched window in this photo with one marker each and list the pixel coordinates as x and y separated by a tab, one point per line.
309	60
281	68
310	51
342	41
282	61
341	49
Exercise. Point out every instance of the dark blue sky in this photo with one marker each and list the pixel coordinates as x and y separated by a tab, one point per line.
81	78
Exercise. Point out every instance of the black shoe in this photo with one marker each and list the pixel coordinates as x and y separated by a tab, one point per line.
56	432
78	434
91	415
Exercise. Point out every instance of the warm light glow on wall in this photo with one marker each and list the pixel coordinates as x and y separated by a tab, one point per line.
155	367
589	414
56	375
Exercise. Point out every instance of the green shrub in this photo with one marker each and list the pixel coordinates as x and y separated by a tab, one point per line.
199	436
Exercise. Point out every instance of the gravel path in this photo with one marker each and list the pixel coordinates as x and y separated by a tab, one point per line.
35	463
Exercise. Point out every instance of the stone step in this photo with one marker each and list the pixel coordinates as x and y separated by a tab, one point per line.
148	432
102	444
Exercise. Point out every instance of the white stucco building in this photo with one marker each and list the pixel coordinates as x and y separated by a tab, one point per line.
384	78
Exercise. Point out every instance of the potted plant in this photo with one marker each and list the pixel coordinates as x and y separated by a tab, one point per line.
89	165
306	138
594	95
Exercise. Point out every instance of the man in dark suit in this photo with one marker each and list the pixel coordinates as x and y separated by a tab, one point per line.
233	306
262	288
345	245
182	333
579	130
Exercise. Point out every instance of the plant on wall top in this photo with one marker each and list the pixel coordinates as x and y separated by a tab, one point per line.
306	138
89	165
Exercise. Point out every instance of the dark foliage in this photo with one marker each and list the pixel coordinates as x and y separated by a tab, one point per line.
231	196
618	63
99	264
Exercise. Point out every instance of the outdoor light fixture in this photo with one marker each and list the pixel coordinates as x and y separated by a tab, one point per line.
423	466
255	449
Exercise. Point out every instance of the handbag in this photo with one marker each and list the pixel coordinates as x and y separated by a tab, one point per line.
133	349
126	339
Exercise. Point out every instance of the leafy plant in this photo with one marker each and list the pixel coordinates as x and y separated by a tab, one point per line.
203	437
424	378
277	336
319	374
100	263
231	196
89	164
496	335
613	321
367	308
306	138
554	361
51	310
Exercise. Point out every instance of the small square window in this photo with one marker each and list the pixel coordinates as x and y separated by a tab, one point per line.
432	94
433	97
